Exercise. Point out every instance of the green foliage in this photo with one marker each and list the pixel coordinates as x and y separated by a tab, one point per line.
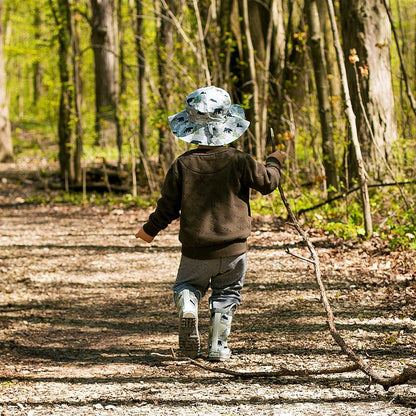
400	229
344	218
110	200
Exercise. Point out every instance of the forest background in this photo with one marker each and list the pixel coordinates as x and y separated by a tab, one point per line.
86	89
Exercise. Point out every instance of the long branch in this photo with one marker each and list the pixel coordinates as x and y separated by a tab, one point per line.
350	191
407	374
283	371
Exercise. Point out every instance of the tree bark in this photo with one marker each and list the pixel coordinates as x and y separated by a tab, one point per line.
60	12
362	174
76	80
322	88
121	53
254	86
104	44
165	55
331	67
37	66
277	68
402	65
366	28
6	146
141	78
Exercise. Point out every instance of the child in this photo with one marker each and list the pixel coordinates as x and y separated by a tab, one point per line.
208	188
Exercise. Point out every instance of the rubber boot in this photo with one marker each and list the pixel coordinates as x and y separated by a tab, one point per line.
220	328
187	303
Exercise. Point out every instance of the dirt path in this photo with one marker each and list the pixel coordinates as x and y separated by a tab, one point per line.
85	309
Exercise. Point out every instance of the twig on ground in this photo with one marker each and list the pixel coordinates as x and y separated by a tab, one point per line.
281	372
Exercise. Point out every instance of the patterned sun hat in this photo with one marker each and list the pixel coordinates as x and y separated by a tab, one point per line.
209	118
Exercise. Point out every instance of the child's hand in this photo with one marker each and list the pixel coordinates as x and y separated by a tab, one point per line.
280	156
144	236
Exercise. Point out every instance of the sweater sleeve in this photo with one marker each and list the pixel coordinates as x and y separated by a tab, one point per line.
169	204
262	178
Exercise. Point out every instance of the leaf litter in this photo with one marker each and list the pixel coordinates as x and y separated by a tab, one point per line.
88	324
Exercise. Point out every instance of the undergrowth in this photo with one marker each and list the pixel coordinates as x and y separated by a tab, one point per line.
110	200
393	221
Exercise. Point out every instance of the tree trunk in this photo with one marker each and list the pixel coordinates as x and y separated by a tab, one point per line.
294	75
404	72
104	43
277	68
6	147
202	55
121	56
37	66
60	12
217	16
141	77
366	28
322	88
76	80
362	174
281	80
331	68
254	85
165	56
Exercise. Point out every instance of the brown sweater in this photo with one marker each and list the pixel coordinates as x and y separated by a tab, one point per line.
209	189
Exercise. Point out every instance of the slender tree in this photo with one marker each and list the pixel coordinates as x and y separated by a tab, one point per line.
322	88
277	68
331	66
254	85
165	58
60	12
37	66
6	147
141	77
121	48
77	91
104	43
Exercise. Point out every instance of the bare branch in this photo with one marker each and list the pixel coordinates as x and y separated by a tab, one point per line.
282	372
409	373
299	257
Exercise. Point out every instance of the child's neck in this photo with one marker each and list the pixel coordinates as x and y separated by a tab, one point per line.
202	146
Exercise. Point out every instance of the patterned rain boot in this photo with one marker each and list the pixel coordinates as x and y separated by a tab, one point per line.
220	328
187	303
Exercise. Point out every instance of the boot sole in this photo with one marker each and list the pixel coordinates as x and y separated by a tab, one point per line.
189	343
217	356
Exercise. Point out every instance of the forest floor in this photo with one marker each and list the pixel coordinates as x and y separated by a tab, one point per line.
87	321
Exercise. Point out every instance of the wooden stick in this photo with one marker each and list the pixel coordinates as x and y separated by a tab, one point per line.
283	371
408	373
299	257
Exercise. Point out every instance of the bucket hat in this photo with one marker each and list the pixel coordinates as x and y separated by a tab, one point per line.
209	118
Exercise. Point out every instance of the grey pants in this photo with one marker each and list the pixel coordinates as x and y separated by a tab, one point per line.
225	276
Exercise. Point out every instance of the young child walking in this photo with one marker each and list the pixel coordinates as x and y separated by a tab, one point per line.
208	188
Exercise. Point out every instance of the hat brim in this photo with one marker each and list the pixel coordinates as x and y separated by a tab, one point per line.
211	134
